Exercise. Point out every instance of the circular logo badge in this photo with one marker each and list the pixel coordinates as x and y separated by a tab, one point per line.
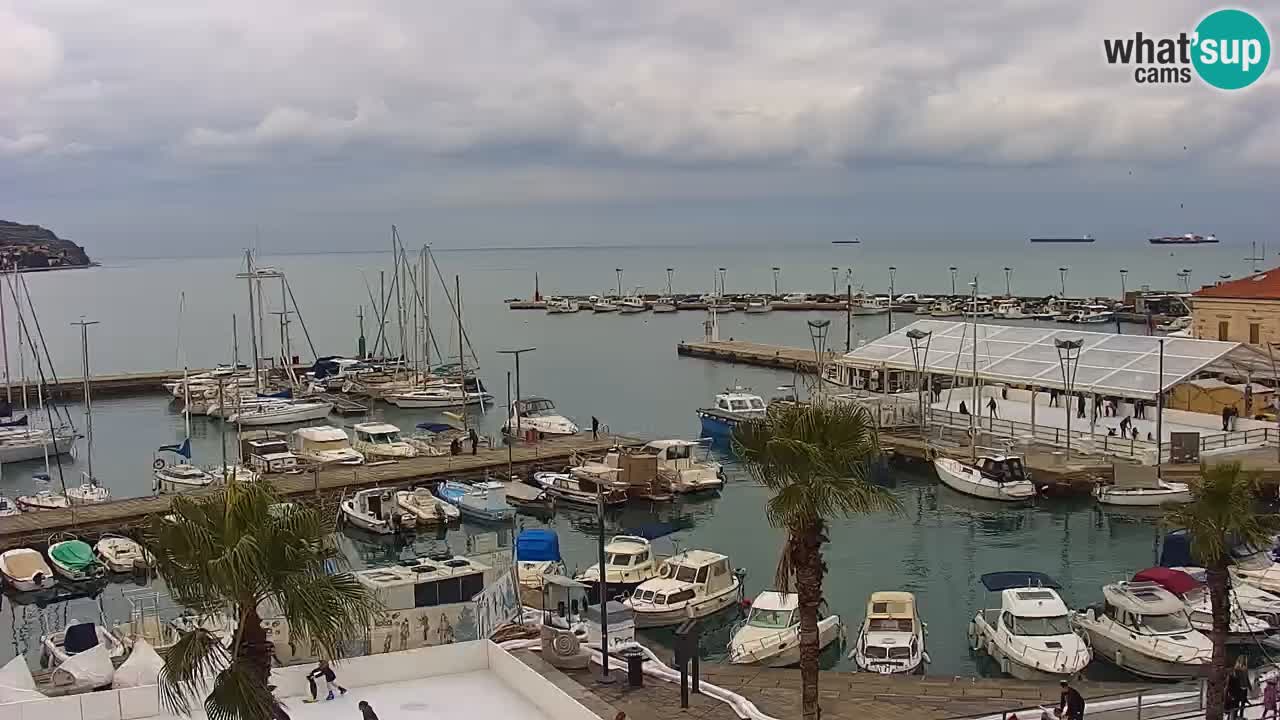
1232	49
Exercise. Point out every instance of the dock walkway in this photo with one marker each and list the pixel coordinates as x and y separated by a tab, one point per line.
120	516
749	353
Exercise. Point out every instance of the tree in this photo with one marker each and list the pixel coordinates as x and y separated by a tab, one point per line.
814	459
233	551
1221	516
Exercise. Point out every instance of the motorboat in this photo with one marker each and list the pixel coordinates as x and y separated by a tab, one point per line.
1144	629
629	560
1250	566
537	556
482	501
561	306
944	308
267	452
603	305
1009	310
1248	598
25	570
1179	323
877	305
21	442
122	555
538	415
758	305
376	440
580	489
326	445
891	641
8	508
1242	627
427	508
281	413
770	636
88	492
1030	635
43	498
447	395
731	407
74	560
1139	493
79	637
182	477
977	309
375	510
632	304
665	304
683	472
529	498
691	585
1093	314
995	477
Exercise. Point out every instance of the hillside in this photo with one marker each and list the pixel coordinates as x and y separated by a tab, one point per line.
33	247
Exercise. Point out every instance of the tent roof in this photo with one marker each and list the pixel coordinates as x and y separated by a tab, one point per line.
1125	365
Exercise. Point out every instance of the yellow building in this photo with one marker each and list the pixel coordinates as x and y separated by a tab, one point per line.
1245	310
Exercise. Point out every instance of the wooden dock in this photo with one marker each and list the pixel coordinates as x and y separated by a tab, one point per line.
323	485
139	383
742	352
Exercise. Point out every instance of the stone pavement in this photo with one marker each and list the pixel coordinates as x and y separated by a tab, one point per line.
842	695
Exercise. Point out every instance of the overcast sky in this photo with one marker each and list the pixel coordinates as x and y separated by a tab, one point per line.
157	127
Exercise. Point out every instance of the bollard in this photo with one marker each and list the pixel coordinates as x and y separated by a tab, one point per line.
635	666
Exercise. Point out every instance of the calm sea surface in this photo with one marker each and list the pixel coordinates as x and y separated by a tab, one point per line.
624	370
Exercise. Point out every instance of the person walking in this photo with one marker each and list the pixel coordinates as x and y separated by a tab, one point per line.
323	670
1070	703
1238	688
1053	397
1080	407
991	408
475	440
595	427
1226	417
1271	698
366	711
1124	426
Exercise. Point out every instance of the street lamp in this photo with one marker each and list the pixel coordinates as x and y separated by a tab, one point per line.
920	357
722	273
1008	276
517	353
818	336
619	273
1068	362
1123	290
669	271
775	280
953	280
1062	276
893	272
835	271
1185	276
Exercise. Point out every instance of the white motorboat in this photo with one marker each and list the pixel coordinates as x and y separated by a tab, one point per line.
427	508
561	306
1242	626
485	500
628	561
977	309
770	636
538	415
1009	310
21	443
733	406
1093	314
758	305
25	570
684	472
326	445
537	557
603	305
1179	323
1143	628
996	477
88	492
121	555
182	477
665	304
632	304
43	498
892	638
8	507
1143	495
74	560
944	308
691	585
877	305
1030	635
375	510
1246	597
376	440
281	412
437	396
580	489
79	637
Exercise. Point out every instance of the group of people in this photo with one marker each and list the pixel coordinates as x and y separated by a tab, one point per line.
324	673
455	445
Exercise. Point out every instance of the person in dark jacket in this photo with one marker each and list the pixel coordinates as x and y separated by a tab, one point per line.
366	711
1238	689
475	440
595	427
1080	406
330	678
1071	703
964	409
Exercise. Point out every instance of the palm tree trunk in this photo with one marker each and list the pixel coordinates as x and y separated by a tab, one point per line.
254	650
1219	671
805	541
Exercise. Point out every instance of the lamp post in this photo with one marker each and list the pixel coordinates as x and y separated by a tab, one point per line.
1123	290
1068	362
618	272
818	336
953	280
775	280
1062	277
1185	277
722	274
835	271
516	353
920	339
1008	277
893	272
1160	413
669	271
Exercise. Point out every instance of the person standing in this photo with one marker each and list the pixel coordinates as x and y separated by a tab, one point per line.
991	407
323	670
1053	397
1080	407
964	410
595	427
366	711
1226	417
475	440
1271	699
1238	688
1070	703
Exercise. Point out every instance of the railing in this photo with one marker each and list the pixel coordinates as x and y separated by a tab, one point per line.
1166	703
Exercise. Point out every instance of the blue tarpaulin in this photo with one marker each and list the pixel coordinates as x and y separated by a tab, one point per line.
435	427
184	449
537	545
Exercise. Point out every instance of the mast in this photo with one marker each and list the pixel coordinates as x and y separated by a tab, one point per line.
4	340
235	344
973	411
88	398
426	306
253	332
462	358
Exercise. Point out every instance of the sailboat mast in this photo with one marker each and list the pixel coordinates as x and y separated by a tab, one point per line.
4	340
88	396
426	305
235	344
253	331
977	408
462	357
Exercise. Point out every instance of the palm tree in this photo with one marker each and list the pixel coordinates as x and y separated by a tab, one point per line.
1221	516
233	551
813	458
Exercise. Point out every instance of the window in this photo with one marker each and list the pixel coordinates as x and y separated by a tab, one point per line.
1007	620
873	651
739	404
1165	623
899	653
1255	333
642	557
620	560
450	591
681	596
1058	625
773	619
1223	329
686	574
702	574
722	404
678	452
757	404
425	595
720	568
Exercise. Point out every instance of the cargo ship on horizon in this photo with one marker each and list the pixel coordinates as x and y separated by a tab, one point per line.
1188	239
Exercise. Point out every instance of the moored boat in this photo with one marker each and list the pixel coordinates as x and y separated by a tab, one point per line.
325	445
74	560
1138	494
996	477
1030	635
770	635
537	556
891	641
1144	629
628	561
426	508
79	637
733	406
538	415
25	570
281	412
375	510
562	306
122	555
482	501
691	585
1242	626
378	440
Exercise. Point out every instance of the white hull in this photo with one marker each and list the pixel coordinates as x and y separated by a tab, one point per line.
1131	659
438	513
294	414
781	649
88	495
964	479
380	527
25	570
420	402
1022	666
664	308
649	616
168	485
1143	497
19	447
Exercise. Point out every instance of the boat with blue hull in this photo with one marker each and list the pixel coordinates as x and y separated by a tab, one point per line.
483	501
733	406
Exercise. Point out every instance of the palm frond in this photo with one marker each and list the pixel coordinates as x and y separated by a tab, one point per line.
238	695
188	664
1221	514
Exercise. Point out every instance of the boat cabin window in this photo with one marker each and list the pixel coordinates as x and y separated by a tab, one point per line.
720	568
1055	625
447	591
738	404
774	619
678	452
381	438
686	574
1256	561
680	596
620	560
702	574
899	653
534	408
875	651
1161	624
889	625
757	404
322	445
722	404
1200	616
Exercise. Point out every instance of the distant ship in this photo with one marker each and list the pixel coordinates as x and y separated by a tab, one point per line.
845	242
1188	239
1082	239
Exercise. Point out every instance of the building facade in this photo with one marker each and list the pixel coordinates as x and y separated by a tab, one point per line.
1245	310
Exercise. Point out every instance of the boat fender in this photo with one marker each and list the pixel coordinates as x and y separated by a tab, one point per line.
158	463
38	578
972	631
1119	658
991	648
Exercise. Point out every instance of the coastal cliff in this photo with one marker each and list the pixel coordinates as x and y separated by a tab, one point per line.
32	247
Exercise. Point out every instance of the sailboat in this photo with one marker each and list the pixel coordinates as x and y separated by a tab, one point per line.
89	491
993	477
181	476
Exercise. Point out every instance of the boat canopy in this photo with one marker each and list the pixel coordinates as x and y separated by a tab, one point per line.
73	553
1012	579
1175	550
537	545
1143	598
1124	365
891	605
1175	581
435	427
321	433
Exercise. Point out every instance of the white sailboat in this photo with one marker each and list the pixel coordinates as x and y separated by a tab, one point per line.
182	476
281	412
438	396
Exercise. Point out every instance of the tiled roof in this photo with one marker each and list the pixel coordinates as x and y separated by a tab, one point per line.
1262	286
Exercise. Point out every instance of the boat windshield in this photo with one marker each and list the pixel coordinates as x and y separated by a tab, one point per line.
539	408
324	445
672	571
1056	625
619	559
772	619
1256	561
1162	624
384	438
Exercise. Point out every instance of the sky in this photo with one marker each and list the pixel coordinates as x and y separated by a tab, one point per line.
151	127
